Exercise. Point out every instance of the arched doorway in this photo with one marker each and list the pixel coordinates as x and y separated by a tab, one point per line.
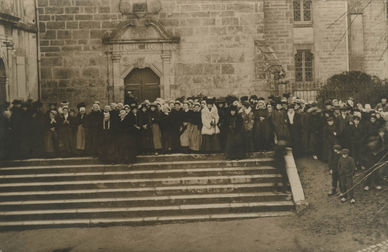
3	82
143	83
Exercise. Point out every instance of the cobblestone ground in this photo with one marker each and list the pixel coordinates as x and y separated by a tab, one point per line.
381	247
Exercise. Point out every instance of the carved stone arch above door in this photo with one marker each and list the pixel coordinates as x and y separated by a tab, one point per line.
139	44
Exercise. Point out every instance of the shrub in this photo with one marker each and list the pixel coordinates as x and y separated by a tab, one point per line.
363	87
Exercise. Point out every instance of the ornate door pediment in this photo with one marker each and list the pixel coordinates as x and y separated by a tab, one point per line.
147	31
135	44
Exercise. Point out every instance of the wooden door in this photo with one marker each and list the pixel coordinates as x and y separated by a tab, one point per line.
143	83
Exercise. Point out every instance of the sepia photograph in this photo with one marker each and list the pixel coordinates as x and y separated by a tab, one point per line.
194	125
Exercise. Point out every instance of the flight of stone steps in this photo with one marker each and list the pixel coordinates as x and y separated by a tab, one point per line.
82	192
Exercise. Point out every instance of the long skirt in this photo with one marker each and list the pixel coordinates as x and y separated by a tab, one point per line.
195	138
66	140
51	142
146	140
211	143
81	138
106	149
126	148
156	136
185	137
234	148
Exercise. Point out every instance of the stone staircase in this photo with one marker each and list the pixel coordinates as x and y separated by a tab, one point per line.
81	192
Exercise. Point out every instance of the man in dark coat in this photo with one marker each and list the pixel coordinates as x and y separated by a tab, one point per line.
356	133
329	137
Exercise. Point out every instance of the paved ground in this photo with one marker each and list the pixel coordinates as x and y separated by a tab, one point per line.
327	225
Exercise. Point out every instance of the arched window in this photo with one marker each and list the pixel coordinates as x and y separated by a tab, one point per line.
302	10
304	66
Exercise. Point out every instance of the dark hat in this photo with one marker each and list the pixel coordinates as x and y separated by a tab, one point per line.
327	102
337	147
345	151
221	100
81	105
254	97
154	104
230	99
337	108
286	95
330	119
373	115
210	100
356	118
246	104
244	98
133	105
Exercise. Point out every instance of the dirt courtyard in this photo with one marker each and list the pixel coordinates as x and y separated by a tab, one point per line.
327	225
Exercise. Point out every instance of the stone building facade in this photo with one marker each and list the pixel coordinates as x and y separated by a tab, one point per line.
18	51
99	49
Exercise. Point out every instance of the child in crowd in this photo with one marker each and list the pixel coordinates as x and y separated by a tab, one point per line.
346	168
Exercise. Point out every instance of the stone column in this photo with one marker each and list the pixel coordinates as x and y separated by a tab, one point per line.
166	78
118	88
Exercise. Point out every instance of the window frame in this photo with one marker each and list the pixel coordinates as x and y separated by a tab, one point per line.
302	22
303	65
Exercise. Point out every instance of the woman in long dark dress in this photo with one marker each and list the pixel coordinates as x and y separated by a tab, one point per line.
132	129
167	131
263	132
154	122
234	142
146	141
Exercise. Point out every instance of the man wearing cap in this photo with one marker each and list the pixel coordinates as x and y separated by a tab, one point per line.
356	133
333	166
346	168
329	137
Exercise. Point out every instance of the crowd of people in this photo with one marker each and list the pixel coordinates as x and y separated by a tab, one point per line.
236	126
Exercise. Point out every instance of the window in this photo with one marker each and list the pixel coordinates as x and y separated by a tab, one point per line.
302	10
304	66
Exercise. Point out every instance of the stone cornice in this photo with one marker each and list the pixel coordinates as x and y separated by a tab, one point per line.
16	23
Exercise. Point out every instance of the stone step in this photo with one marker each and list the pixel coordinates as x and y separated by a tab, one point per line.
138	221
50	161
195	157
140	159
135	192
41	169
147	211
95	175
79	203
125	183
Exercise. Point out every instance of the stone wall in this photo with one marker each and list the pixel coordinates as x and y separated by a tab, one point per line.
215	54
18	51
375	21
